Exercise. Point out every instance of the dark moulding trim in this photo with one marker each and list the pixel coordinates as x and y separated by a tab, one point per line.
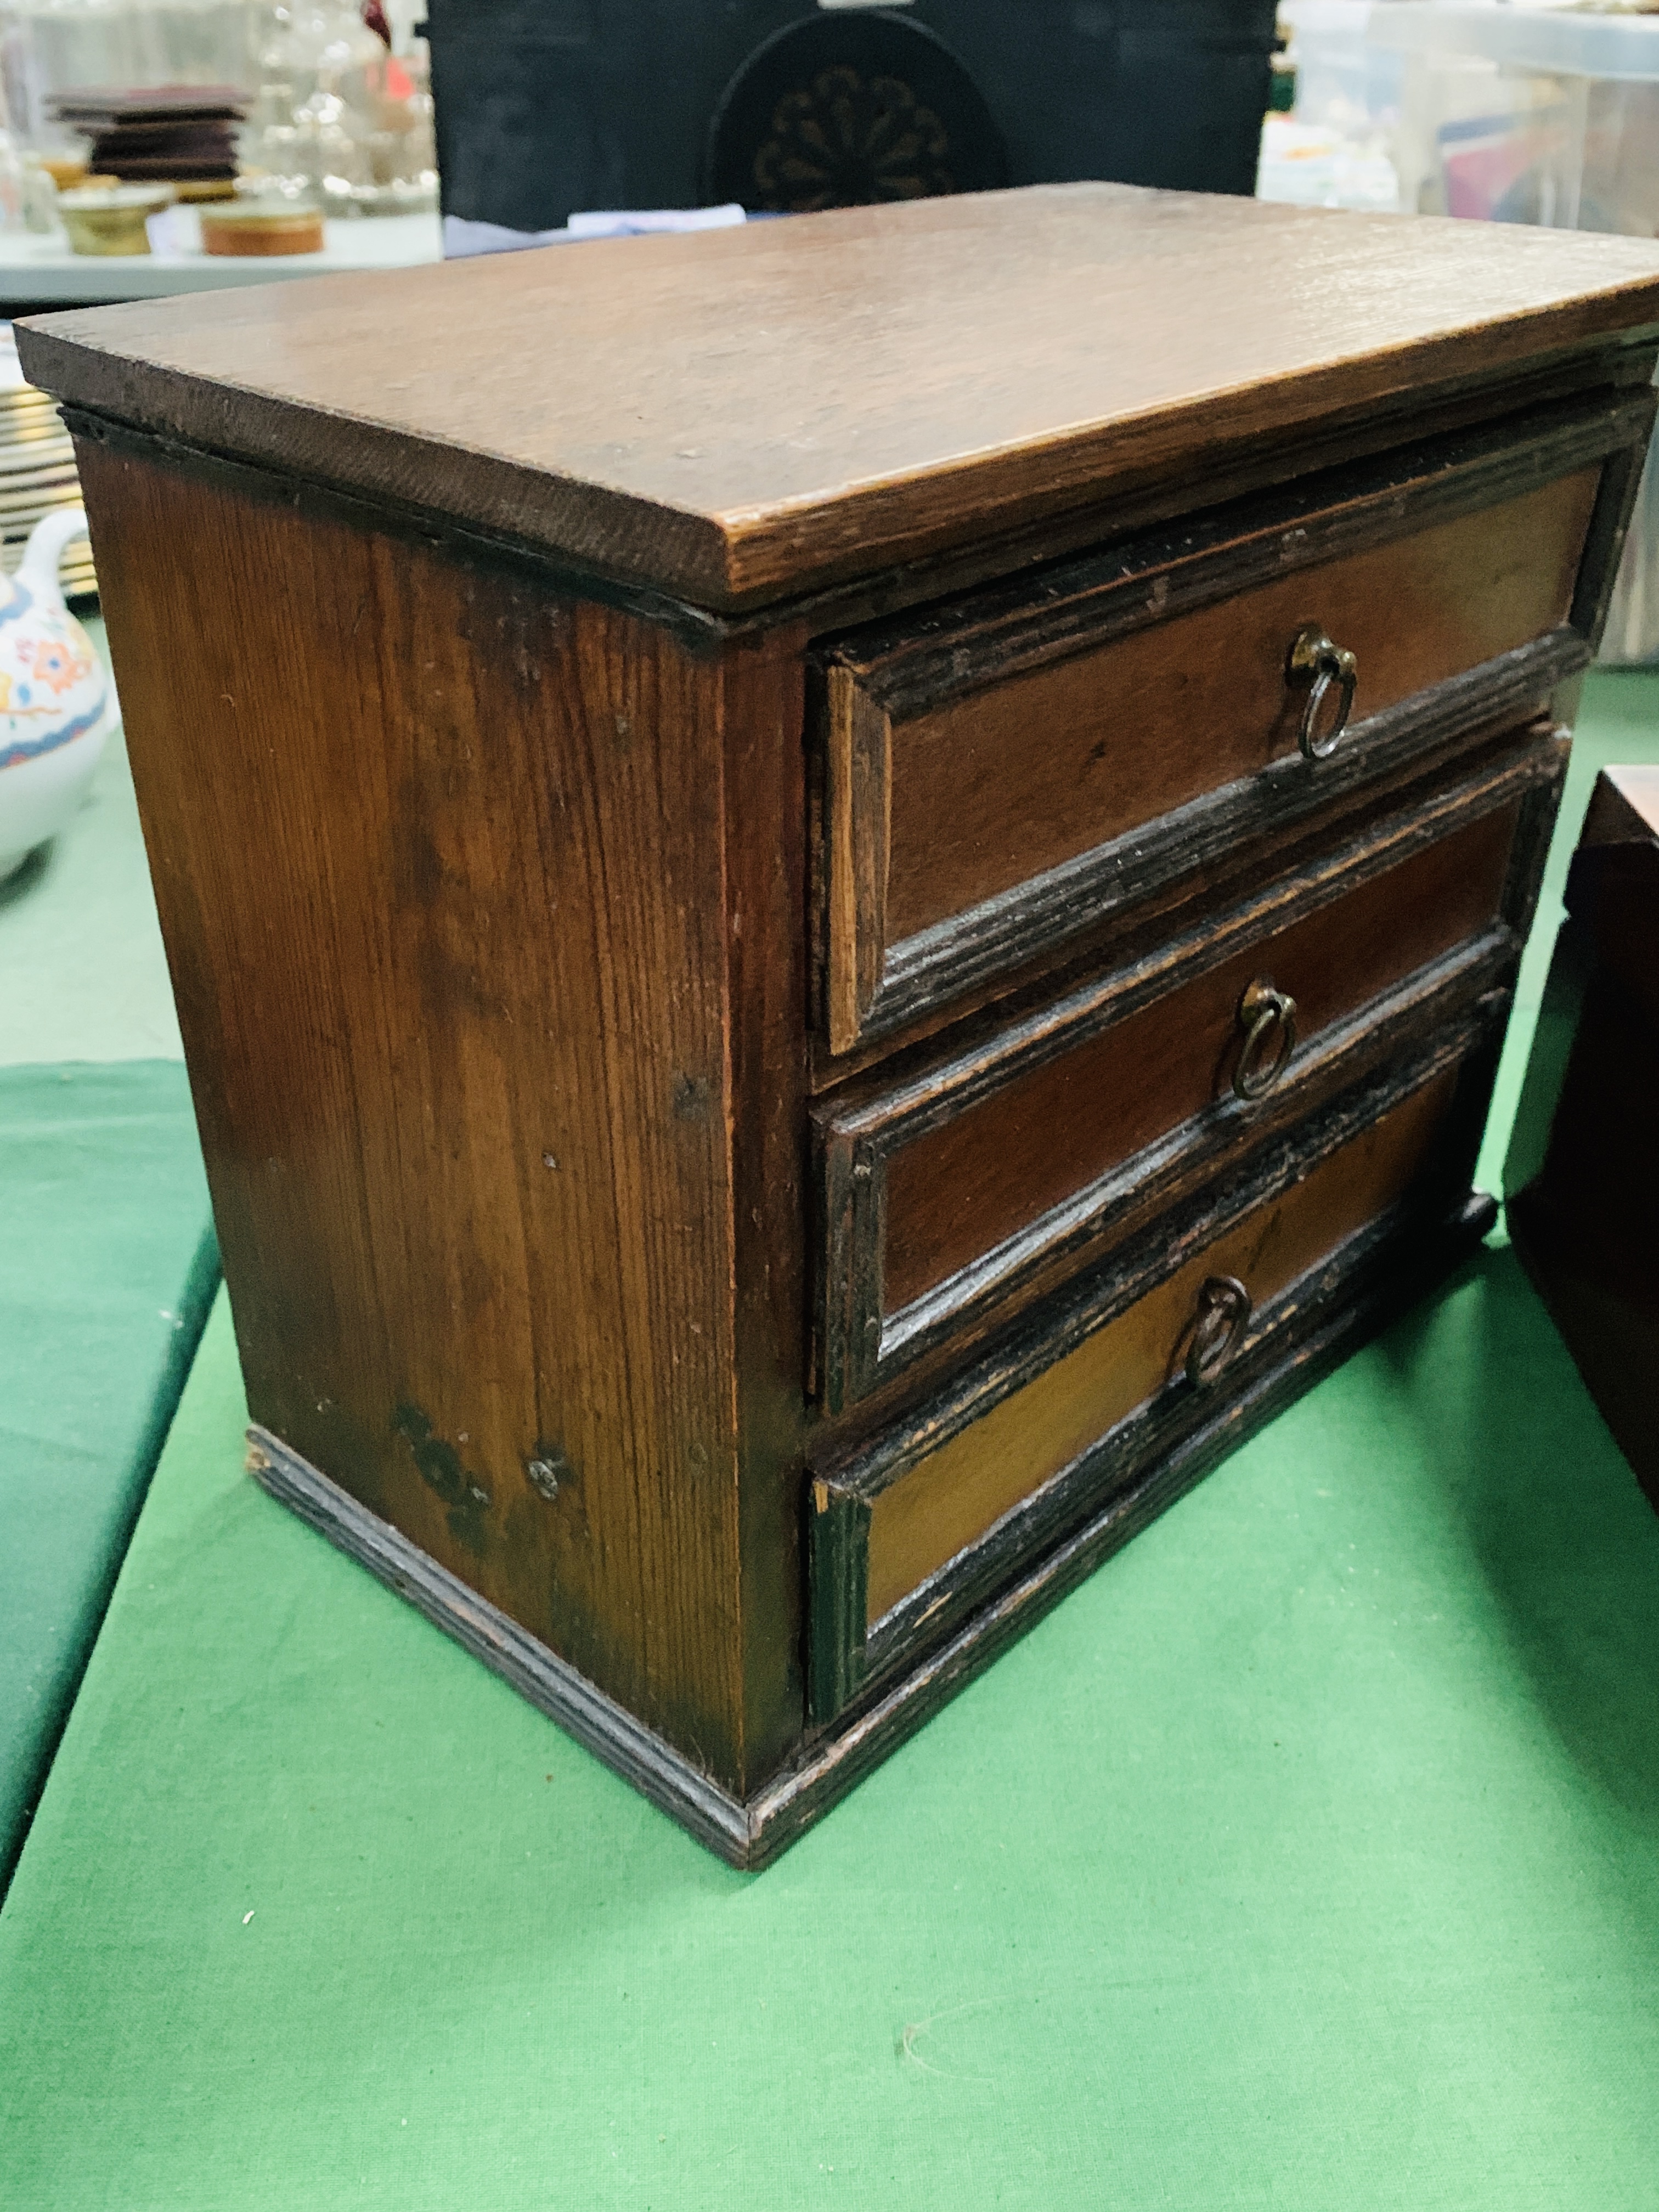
749	1834
637	1753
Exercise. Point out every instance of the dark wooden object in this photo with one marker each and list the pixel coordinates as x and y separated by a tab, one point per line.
739	822
544	105
1583	1172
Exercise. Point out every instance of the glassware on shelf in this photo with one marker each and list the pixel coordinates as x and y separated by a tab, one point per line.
339	118
40	194
13	187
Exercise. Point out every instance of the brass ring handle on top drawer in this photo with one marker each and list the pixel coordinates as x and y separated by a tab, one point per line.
1267	1018
1224	1314
1317	661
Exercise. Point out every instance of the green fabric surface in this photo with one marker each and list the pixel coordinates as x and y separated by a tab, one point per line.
1306	1857
83	974
105	1284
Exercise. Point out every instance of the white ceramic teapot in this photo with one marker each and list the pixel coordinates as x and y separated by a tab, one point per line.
56	703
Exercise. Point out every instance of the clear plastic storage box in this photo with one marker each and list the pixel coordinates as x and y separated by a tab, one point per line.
1333	150
1512	113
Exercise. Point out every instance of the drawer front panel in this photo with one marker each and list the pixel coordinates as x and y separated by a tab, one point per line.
969	1187
955	1496
935	1516
1013	770
951	1201
1000	786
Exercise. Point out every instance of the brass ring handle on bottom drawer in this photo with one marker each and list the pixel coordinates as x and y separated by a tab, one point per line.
1224	1314
1267	1018
1317	661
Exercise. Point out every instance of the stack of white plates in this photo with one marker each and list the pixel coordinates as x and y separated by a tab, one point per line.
37	471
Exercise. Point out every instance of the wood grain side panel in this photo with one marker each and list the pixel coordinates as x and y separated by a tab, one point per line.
1003	784
957	1191
955	1496
438	866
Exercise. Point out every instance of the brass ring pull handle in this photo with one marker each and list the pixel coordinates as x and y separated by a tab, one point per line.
1224	1314
1267	1018
1319	663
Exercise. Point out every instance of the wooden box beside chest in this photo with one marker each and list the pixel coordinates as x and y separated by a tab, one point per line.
1582	1178
841	895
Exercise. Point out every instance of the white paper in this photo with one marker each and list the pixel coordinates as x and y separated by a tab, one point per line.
637	223
463	238
173	232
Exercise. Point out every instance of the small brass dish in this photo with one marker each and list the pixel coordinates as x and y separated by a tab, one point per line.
111	219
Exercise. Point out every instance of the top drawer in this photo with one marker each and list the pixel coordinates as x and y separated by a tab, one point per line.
1002	772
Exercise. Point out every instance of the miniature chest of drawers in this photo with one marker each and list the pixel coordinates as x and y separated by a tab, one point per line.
841	895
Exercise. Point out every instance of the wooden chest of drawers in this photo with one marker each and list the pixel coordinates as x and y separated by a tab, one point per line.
842	895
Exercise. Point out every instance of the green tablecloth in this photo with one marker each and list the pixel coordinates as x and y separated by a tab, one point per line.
103	1274
105	1282
1308	1856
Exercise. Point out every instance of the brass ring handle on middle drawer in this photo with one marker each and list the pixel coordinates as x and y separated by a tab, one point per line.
1317	661
1267	1018
1224	1314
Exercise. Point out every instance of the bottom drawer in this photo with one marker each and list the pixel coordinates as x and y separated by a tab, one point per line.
932	1518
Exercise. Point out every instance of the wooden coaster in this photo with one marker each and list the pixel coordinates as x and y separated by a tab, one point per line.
251	229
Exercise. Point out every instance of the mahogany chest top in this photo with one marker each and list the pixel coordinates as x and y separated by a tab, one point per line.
761	412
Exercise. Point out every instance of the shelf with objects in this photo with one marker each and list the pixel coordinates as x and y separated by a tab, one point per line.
275	141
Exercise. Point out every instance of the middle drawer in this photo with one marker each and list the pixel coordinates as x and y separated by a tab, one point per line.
950	1200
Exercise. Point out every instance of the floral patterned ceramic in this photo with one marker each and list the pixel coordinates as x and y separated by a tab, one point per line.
57	704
